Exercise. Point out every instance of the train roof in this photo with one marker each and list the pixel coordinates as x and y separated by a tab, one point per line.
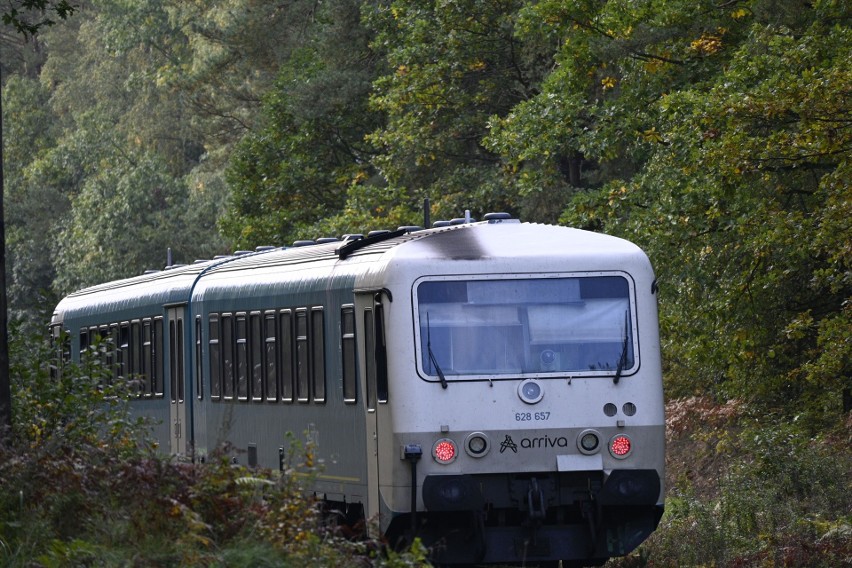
509	245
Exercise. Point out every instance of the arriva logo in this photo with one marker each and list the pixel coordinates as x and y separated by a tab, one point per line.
532	443
545	442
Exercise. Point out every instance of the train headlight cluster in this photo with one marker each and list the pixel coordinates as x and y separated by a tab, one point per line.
445	451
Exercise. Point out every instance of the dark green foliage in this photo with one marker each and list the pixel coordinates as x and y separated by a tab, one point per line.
83	486
716	135
746	489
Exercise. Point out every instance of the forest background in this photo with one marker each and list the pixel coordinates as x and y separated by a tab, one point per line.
717	135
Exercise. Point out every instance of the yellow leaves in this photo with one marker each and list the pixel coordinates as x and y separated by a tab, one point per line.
708	43
617	195
653	65
608	83
477	65
739	13
402	70
652	135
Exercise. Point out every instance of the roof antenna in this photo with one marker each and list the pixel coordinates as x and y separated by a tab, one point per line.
169	260
467	216
427	222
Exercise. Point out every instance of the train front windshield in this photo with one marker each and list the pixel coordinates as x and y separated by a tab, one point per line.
580	325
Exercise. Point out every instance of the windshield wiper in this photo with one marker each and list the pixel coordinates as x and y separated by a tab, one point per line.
622	361
432	357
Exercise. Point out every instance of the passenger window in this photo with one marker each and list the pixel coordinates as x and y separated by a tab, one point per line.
84	342
199	382
302	356
146	353
347	347
215	354
136	354
270	354
113	352
256	349
285	320
227	356
124	351
241	357
317	345
156	358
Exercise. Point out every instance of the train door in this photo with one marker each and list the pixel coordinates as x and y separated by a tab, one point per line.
366	308
177	380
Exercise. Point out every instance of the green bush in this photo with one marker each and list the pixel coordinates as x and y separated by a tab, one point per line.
83	485
767	494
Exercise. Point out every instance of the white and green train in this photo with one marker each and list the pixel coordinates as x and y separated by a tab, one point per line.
492	387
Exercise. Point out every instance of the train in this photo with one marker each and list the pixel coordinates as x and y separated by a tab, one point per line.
493	387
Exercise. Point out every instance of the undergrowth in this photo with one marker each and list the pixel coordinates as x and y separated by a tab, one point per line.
746	489
83	486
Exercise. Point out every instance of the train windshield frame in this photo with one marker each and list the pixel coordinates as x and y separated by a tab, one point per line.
533	326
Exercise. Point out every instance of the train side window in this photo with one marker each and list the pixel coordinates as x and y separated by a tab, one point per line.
241	356
124	350
146	353
157	358
370	358
136	355
176	361
381	356
104	346
173	380
215	354
199	381
84	342
317	346
302	356
256	362
180	362
57	338
113	354
347	348
285	320
94	340
227	356
270	355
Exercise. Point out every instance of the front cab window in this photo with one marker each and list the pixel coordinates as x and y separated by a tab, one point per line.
545	326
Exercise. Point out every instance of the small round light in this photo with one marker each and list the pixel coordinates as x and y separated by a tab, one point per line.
530	391
610	409
444	451
620	446
629	409
476	444
588	442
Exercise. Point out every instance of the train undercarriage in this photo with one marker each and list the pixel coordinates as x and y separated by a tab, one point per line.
580	518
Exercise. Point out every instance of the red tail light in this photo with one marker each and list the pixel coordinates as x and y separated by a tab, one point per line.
620	446
444	451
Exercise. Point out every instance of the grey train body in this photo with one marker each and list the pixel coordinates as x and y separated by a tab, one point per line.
494	388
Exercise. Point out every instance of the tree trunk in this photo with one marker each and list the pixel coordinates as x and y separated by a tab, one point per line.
5	379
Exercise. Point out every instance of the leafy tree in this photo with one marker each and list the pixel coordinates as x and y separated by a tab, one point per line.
34	199
29	16
450	66
295	171
738	201
117	226
17	16
123	123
